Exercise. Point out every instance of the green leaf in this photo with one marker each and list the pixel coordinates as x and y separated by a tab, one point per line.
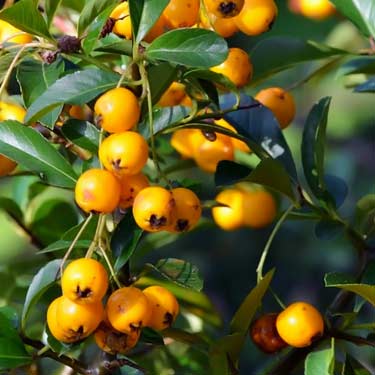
312	149
77	88
5	61
185	337
269	172
91	10
64	245
360	12
34	78
28	148
87	234
180	272
368	86
11	208
341	281
82	133
361	65
242	318
50	7
41	282
189	47
231	345
328	229
125	239
160	78
12	354
321	362
94	30
150	336
144	14
365	214
276	54
218	362
114	44
25	16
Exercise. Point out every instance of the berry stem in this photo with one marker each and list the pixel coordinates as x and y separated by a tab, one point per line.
266	249
110	267
98	234
76	238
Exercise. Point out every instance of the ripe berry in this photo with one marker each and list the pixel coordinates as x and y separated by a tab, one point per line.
7	31
6	165
300	324
128	310
164	307
91	191
237	144
9	111
224	8
124	153
130	187
264	334
154	209
225	27
280	102
316	9
84	280
183	141
173	95
237	67
117	110
181	13
123	24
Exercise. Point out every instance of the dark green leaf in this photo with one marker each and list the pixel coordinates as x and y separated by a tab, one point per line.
11	315
321	362
43	280
218	362
87	234
269	172
361	65
25	16
77	88
114	44
50	7
275	54
368	86
232	346
354	367
144	14
160	78
259	125
91	10
365	214
34	78
328	230
360	12
180	272
82	133
312	149
12	353
11	208
125	239
5	60
189	47
27	147
64	245
337	189
341	281
185	337
244	315
150	336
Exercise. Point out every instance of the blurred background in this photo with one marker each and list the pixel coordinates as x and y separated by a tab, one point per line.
227	260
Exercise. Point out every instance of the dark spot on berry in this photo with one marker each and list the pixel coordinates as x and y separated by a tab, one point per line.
209	135
116	164
182	225
168	319
132	190
157	222
227	8
85	293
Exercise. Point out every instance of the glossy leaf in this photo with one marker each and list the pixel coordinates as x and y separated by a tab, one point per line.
34	78
5	60
64	245
114	44
257	123
361	65
43	280
27	147
82	133
368	86
321	362
91	10
77	88
87	234
275	54
12	354
144	14
360	12
25	16
312	149
160	78
125	239
180	272
341	281
245	313
189	47
50	7
268	172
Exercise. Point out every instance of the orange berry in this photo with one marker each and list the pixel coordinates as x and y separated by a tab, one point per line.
84	280
188	210
224	8
91	191
181	13
173	95
9	111
117	110
256	16
225	27
264	334
317	9
300	324
158	29
128	310
164	307
55	328
6	165
124	153
237	67
237	144
154	208
280	102
183	142
7	31
123	24
130	187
